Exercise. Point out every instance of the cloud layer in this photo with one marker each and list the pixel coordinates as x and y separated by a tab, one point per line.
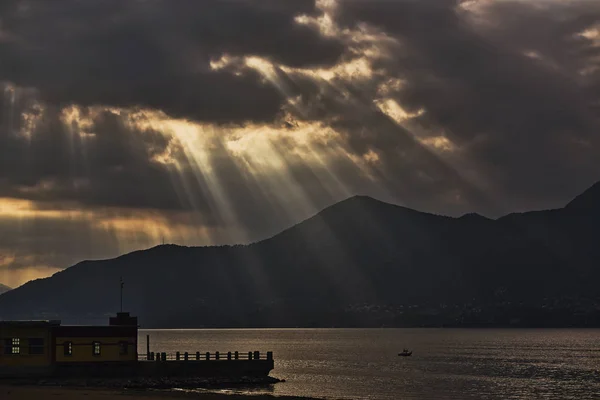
124	122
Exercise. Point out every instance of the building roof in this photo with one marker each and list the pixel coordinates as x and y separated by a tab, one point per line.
122	320
30	324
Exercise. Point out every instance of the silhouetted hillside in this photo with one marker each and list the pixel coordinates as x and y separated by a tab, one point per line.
588	201
4	288
360	262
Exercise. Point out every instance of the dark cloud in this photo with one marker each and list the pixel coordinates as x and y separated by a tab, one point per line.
112	166
157	53
525	122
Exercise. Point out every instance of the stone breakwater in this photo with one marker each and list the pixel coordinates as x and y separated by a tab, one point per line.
149	383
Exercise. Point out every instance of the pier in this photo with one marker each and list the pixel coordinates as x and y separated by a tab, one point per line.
249	364
200	356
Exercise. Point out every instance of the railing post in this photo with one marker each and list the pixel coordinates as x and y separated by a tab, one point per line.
228	356
198	355
207	356
216	355
269	355
163	355
157	357
257	355
177	356
236	355
185	356
152	356
249	355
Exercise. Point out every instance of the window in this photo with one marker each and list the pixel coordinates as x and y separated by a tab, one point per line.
123	348
96	348
68	348
7	346
36	346
15	346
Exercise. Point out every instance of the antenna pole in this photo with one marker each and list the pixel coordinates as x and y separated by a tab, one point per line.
122	283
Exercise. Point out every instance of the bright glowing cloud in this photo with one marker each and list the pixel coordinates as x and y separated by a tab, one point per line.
438	143
391	108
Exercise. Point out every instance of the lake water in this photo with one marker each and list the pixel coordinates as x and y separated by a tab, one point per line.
446	363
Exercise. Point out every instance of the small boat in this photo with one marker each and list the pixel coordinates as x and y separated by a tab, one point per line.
405	353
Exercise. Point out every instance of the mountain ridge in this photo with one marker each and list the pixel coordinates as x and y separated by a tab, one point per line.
348	266
4	288
589	199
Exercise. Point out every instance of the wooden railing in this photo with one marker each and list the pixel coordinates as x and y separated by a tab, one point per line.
199	356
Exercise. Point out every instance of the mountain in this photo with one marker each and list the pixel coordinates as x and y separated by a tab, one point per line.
360	262
4	288
588	201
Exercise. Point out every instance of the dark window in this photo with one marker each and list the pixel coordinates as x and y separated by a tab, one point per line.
123	348
36	346
7	346
96	348
68	348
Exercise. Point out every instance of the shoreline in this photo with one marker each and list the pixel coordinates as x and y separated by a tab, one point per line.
145	383
26	392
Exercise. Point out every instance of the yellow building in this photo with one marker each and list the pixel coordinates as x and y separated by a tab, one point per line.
47	347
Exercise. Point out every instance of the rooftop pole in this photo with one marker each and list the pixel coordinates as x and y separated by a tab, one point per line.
122	283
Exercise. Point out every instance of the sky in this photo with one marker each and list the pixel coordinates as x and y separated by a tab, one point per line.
130	123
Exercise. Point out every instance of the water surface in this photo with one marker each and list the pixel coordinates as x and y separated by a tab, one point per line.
446	363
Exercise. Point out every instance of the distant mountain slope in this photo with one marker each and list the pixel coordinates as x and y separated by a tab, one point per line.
4	288
588	201
360	262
